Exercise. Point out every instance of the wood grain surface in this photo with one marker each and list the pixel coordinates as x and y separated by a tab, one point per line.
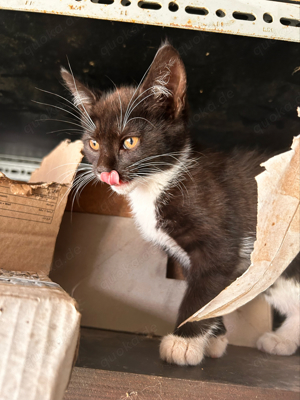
123	366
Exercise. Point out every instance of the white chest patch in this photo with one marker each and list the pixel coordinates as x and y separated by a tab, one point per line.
143	203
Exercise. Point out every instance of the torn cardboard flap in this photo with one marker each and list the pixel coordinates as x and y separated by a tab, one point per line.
61	164
278	239
31	213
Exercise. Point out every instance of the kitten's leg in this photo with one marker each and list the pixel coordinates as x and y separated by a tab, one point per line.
284	295
217	343
191	342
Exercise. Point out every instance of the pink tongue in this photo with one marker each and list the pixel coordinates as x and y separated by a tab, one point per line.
112	178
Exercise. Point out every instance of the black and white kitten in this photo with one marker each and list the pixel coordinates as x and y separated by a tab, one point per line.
199	207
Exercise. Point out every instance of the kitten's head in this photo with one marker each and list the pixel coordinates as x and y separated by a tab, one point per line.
132	133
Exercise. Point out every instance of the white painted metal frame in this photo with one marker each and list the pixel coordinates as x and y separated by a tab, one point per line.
281	13
18	168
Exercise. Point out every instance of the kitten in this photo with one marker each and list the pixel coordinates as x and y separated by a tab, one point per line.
199	207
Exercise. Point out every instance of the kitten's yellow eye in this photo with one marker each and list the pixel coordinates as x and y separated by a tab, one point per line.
94	144
131	143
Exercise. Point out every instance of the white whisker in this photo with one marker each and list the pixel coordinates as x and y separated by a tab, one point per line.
72	105
133	106
63	165
155	156
62	109
76	131
81	185
74	183
87	114
129	104
61	120
140	118
67	173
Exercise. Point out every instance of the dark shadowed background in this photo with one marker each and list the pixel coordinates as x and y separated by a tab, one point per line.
242	91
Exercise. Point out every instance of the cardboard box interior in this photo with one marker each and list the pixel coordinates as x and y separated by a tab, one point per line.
122	282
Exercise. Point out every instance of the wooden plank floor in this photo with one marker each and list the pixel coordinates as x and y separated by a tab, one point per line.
122	366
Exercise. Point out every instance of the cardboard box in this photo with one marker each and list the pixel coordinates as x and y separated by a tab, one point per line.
39	326
39	322
121	282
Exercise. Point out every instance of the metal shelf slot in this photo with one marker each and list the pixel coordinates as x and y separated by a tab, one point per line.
18	168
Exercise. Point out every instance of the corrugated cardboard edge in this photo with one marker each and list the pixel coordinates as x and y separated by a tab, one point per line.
39	335
277	241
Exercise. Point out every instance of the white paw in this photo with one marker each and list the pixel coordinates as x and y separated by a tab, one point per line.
216	346
272	343
182	351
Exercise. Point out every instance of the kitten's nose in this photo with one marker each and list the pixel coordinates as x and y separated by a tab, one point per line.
112	178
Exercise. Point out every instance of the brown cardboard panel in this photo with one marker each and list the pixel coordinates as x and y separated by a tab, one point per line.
98	198
118	279
39	328
30	214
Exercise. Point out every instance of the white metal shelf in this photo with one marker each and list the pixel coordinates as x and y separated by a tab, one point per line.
18	168
260	18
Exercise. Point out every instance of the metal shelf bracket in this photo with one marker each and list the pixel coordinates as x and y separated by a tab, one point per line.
265	19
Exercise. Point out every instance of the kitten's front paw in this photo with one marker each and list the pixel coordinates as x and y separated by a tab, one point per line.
216	346
272	343
182	351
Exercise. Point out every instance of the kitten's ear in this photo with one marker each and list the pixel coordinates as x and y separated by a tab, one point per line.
166	80
82	96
